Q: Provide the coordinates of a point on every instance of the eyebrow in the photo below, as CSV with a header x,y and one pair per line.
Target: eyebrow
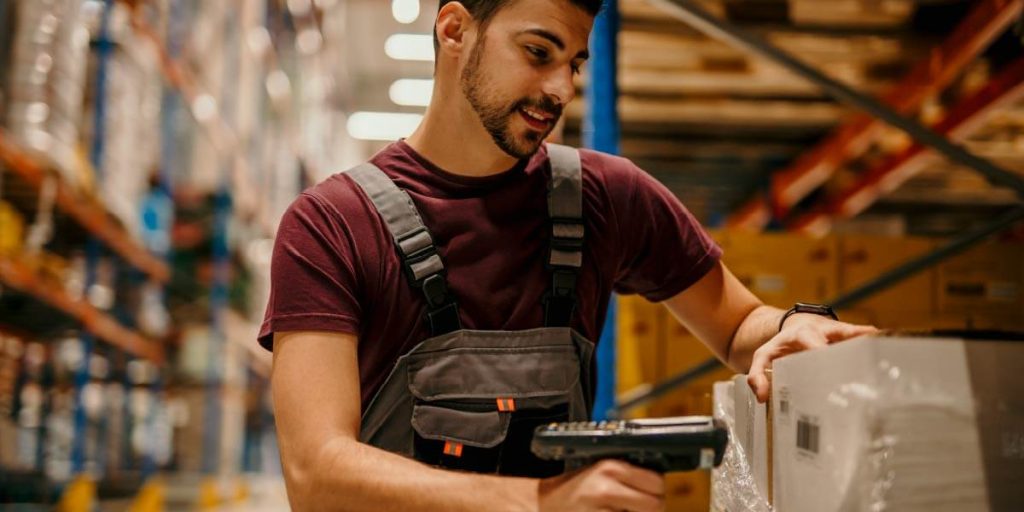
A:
x,y
555,40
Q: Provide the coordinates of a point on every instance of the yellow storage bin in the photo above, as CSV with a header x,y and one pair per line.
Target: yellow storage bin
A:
x,y
12,230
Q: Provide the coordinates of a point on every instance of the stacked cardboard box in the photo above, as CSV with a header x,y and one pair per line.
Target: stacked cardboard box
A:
x,y
782,269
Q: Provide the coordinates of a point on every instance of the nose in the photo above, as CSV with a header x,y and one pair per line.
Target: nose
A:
x,y
560,85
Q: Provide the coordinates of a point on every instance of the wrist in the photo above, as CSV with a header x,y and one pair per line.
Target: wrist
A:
x,y
520,494
806,311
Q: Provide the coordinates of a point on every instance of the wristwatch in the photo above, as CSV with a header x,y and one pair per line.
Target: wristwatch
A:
x,y
801,307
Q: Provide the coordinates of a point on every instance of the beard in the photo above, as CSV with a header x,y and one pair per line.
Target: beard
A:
x,y
497,115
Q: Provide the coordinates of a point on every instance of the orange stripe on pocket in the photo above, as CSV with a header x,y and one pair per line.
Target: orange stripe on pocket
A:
x,y
453,448
506,405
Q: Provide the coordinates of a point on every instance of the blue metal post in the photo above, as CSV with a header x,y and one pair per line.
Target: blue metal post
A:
x,y
601,132
92,248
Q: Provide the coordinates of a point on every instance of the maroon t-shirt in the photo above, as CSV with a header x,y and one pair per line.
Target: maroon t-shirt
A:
x,y
335,266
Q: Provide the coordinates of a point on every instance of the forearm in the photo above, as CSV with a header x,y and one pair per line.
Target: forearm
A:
x,y
352,476
759,326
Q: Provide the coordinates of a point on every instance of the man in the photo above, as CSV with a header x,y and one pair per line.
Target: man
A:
x,y
348,330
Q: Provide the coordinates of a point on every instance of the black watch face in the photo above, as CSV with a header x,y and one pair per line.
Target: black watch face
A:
x,y
818,309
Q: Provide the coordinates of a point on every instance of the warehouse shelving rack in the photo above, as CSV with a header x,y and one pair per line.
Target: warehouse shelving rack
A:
x,y
987,21
101,230
18,275
84,208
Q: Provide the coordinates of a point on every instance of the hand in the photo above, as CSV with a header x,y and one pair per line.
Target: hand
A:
x,y
609,485
801,331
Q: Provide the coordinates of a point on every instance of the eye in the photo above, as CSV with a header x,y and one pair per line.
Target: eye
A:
x,y
575,68
538,52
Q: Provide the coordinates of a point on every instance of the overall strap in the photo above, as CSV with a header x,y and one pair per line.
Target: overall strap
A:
x,y
565,216
420,261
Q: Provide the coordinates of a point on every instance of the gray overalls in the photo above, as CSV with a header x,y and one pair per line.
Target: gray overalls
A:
x,y
470,399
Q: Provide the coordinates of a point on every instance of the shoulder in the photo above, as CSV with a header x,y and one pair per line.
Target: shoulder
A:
x,y
611,177
604,166
337,197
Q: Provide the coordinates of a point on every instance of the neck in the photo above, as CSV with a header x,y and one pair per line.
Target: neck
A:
x,y
452,137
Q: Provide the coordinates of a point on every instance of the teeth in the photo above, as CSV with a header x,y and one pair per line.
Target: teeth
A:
x,y
534,115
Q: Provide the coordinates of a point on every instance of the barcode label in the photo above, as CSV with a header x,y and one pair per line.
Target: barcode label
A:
x,y
807,435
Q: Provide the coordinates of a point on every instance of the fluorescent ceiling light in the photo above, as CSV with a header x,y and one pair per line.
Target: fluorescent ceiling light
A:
x,y
204,108
411,92
382,125
410,47
405,11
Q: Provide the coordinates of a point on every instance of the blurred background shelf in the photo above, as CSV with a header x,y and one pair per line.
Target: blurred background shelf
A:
x,y
17,274
85,209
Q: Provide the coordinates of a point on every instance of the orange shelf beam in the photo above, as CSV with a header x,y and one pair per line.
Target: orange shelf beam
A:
x,y
85,210
963,119
931,75
17,275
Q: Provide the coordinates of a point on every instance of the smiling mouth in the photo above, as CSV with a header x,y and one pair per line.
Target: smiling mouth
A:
x,y
536,119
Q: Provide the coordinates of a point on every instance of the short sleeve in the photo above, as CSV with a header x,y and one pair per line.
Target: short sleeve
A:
x,y
314,285
664,248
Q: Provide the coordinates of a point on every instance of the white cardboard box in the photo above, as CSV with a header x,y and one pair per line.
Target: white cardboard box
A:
x,y
907,424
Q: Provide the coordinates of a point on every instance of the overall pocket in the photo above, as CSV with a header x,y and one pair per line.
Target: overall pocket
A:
x,y
459,435
476,404
473,435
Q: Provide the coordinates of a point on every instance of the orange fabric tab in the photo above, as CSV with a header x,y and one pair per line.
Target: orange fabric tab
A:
x,y
452,448
506,405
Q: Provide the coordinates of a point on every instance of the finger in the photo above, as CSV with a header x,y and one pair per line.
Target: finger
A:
x,y
809,339
846,331
619,496
775,348
756,378
643,480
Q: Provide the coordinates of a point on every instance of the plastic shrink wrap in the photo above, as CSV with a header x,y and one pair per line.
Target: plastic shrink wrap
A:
x,y
735,485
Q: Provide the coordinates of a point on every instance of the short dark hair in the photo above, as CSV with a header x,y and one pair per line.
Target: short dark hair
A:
x,y
483,10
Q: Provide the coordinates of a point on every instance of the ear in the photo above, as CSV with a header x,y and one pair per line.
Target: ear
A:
x,y
453,22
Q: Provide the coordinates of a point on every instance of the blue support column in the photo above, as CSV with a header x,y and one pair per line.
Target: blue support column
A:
x,y
601,132
92,248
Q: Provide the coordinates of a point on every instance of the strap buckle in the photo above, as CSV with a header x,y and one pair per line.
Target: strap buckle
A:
x,y
563,283
443,319
435,289
418,256
560,301
567,234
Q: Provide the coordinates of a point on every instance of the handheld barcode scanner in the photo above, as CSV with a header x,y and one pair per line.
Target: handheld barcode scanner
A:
x,y
665,445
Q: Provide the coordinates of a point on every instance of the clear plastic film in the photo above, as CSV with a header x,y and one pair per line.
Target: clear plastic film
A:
x,y
901,424
733,487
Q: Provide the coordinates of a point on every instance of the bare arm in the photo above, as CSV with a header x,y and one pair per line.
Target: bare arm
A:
x,y
315,386
744,333
726,316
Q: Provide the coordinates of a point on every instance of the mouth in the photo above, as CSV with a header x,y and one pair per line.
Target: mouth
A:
x,y
536,119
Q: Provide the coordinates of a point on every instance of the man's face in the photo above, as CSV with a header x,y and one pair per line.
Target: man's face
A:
x,y
519,74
